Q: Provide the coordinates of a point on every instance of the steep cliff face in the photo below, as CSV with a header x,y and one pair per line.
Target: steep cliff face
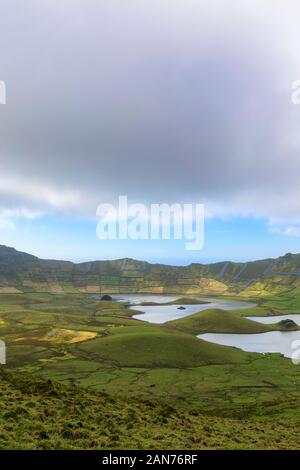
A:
x,y
21,272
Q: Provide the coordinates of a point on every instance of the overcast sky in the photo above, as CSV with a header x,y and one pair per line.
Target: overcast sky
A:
x,y
161,100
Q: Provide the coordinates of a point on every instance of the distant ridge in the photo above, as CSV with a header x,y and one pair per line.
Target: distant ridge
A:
x,y
22,272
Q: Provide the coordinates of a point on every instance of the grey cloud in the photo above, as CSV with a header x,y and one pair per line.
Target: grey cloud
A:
x,y
162,101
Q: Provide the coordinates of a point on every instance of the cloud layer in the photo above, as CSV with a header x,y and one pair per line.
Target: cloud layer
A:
x,y
165,101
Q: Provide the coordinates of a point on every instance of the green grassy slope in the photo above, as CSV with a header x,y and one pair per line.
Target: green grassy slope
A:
x,y
40,414
218,321
159,349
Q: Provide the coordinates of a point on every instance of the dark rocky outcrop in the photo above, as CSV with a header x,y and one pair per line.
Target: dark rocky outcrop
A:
x,y
288,324
106,297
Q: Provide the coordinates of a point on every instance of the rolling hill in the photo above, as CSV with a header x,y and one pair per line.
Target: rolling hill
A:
x,y
219,321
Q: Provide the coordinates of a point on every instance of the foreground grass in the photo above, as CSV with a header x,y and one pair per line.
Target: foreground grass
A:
x,y
40,414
